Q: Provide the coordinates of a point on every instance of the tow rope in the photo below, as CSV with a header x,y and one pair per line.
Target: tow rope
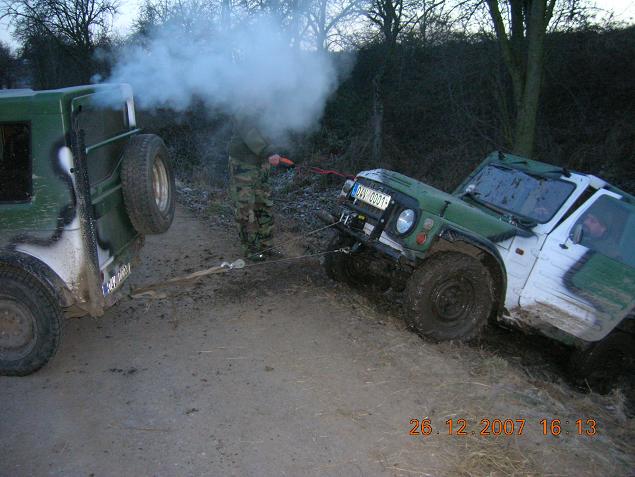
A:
x,y
316,170
326,172
149,291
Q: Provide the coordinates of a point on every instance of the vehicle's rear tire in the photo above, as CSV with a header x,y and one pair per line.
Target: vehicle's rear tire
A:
x,y
449,297
148,187
30,323
605,364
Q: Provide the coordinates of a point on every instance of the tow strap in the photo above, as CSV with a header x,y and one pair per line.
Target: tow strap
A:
x,y
149,291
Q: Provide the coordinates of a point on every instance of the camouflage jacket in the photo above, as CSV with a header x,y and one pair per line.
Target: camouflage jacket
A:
x,y
248,143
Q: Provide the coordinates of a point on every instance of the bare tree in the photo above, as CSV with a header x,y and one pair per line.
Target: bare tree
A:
x,y
188,16
521,27
391,19
8,64
77,26
326,16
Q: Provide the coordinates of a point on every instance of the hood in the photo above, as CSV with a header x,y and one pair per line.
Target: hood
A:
x,y
452,209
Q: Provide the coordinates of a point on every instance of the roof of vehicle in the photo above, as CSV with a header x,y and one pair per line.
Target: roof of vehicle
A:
x,y
547,170
25,102
6,93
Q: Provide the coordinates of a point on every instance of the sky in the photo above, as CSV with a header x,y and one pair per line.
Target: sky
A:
x,y
624,10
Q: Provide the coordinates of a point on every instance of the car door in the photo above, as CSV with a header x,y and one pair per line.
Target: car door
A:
x,y
581,283
106,119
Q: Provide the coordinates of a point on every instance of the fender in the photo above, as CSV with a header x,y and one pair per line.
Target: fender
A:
x,y
41,271
452,235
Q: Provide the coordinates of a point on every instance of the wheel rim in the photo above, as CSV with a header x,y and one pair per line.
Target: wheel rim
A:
x,y
160,184
453,299
17,330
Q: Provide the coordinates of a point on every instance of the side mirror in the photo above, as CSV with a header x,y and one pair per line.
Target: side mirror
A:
x,y
576,234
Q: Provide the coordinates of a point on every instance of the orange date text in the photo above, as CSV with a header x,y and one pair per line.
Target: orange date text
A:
x,y
502,427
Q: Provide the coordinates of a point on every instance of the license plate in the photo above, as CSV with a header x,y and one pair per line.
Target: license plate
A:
x,y
370,196
116,279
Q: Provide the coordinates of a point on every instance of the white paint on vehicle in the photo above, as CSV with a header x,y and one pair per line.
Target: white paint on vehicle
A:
x,y
383,238
65,257
65,159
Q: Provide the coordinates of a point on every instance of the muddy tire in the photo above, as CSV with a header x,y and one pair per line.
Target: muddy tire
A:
x,y
606,364
449,297
148,187
344,267
30,323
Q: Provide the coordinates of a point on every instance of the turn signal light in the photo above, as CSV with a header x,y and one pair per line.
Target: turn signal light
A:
x,y
421,238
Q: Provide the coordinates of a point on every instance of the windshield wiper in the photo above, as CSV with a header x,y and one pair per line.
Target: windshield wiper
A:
x,y
513,219
474,197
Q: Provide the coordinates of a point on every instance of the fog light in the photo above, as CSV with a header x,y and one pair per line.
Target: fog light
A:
x,y
421,238
346,188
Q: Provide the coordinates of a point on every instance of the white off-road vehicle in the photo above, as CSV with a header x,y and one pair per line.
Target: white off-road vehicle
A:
x,y
520,241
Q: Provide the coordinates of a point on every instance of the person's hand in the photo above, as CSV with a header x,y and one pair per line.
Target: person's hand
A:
x,y
274,159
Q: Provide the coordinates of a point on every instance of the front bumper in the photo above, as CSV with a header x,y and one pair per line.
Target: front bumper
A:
x,y
371,237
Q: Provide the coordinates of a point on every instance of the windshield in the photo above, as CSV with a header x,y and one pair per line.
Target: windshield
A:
x,y
520,194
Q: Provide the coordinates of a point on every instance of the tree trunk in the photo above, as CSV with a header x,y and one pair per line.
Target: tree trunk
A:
x,y
225,15
523,57
524,138
377,119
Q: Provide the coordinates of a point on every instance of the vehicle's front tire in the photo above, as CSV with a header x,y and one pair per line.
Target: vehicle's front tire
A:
x,y
449,297
343,267
30,323
148,186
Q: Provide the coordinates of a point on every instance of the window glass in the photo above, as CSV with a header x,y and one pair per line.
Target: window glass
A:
x,y
521,194
100,123
15,162
608,227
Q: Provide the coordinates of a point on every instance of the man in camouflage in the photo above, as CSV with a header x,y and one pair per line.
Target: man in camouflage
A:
x,y
250,159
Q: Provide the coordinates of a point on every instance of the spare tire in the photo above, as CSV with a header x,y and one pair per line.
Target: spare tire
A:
x,y
147,181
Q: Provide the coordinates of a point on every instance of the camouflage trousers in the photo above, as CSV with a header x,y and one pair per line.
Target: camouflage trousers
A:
x,y
250,193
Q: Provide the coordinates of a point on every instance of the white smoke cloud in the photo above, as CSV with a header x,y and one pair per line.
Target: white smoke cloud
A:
x,y
251,67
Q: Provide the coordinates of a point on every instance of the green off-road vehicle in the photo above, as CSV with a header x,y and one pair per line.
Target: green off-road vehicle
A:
x,y
79,188
520,241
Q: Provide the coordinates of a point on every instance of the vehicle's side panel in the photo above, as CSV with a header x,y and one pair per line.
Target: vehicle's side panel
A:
x,y
519,258
46,226
61,248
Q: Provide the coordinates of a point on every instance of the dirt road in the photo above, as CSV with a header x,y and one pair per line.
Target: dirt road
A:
x,y
276,370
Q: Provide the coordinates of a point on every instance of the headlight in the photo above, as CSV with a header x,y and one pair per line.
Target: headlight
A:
x,y
405,221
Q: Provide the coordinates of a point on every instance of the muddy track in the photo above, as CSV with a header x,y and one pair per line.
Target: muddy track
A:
x,y
279,371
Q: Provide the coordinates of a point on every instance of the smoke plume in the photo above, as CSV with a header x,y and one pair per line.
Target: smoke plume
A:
x,y
251,68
